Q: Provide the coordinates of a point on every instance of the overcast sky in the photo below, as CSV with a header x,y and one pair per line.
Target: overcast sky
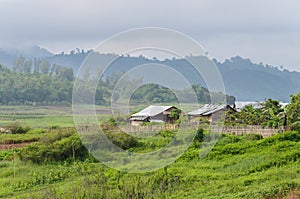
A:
x,y
263,30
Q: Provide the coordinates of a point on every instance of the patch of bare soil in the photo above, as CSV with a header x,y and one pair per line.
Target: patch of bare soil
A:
x,y
10,146
293,194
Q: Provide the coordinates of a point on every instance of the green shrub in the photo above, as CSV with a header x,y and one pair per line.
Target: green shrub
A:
x,y
117,137
228,139
199,135
122,140
112,122
290,135
166,133
253,136
57,134
68,149
6,155
19,130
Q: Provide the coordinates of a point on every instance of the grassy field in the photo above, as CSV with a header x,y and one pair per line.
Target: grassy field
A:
x,y
48,116
41,116
36,117
237,167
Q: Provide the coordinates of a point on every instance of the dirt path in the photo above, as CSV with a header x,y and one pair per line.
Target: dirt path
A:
x,y
10,146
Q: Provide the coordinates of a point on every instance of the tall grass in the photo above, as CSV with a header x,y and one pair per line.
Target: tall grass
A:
x,y
237,167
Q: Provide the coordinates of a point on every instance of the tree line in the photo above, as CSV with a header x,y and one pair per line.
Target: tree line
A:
x,y
41,67
19,86
37,82
157,94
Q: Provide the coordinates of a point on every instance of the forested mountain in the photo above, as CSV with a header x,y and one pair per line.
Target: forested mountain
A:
x,y
257,82
242,78
9,55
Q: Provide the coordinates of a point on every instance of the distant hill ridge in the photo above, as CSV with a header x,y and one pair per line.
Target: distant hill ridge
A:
x,y
242,78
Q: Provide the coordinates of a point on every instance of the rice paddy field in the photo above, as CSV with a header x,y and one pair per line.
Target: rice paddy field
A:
x,y
42,116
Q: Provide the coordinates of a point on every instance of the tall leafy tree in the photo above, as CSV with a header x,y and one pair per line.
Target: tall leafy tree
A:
x,y
293,112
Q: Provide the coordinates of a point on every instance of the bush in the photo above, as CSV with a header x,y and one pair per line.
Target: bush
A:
x,y
69,148
112,122
57,134
19,129
122,140
199,135
253,136
166,133
117,137
295,126
290,135
228,139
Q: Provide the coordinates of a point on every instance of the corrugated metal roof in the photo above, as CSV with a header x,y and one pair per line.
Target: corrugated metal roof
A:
x,y
208,109
241,104
139,118
151,111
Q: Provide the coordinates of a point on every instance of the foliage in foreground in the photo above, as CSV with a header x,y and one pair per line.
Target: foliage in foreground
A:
x,y
293,112
237,167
